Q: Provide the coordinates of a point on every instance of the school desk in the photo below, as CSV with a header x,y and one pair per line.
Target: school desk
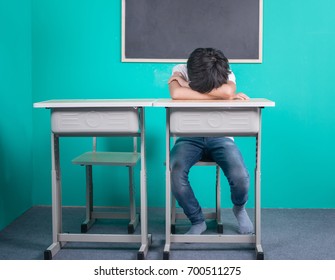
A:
x,y
95,118
214,118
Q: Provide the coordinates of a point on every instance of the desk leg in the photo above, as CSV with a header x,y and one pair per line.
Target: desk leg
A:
x,y
166,252
259,250
145,237
56,199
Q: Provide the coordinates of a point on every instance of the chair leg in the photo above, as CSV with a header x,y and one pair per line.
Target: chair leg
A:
x,y
218,201
85,226
134,218
173,215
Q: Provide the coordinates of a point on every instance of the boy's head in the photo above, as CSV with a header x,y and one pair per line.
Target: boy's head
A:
x,y
207,69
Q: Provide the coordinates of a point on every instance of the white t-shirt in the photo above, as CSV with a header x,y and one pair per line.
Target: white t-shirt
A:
x,y
182,68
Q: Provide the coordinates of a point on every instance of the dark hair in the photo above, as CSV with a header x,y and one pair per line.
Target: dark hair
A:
x,y
207,69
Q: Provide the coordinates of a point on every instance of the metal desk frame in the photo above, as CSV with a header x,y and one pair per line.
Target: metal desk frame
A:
x,y
60,238
219,106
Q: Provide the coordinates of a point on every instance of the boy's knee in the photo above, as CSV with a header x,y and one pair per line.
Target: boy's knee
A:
x,y
178,173
239,179
239,189
177,167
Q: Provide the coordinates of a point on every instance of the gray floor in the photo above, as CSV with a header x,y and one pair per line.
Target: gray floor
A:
x,y
287,234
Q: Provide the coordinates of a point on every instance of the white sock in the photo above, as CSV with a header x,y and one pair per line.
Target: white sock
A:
x,y
197,229
244,223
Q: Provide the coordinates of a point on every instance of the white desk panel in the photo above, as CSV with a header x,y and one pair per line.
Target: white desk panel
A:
x,y
214,121
94,120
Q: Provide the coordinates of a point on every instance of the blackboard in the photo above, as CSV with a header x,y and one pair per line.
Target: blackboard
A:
x,y
168,30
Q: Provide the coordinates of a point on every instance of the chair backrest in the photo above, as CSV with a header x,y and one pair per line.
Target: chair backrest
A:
x,y
94,144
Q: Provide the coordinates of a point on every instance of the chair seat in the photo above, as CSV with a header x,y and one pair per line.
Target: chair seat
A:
x,y
107,158
205,163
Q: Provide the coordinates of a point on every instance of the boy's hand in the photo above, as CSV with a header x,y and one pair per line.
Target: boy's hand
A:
x,y
240,96
181,81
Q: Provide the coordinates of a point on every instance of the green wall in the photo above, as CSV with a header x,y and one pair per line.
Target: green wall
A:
x,y
16,172
76,54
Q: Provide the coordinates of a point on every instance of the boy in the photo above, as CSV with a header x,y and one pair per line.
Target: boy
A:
x,y
207,76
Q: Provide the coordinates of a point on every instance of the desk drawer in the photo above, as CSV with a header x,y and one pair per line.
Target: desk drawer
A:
x,y
214,121
94,121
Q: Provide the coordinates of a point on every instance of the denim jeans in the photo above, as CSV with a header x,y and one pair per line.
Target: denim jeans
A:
x,y
188,151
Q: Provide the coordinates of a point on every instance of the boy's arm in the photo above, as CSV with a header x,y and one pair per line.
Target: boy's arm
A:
x,y
228,92
179,89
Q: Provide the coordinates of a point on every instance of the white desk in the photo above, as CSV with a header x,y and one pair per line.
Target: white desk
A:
x,y
95,118
214,118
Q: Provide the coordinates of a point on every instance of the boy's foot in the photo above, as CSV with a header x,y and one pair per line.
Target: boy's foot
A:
x,y
197,229
244,223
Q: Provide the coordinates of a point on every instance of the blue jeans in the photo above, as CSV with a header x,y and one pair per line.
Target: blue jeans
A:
x,y
188,151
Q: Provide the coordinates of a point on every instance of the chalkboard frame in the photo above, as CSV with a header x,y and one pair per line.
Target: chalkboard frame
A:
x,y
258,59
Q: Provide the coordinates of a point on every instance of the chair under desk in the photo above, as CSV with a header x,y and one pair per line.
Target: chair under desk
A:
x,y
214,118
96,157
89,118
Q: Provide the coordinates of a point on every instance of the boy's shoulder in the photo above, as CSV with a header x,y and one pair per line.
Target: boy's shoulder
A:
x,y
181,68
